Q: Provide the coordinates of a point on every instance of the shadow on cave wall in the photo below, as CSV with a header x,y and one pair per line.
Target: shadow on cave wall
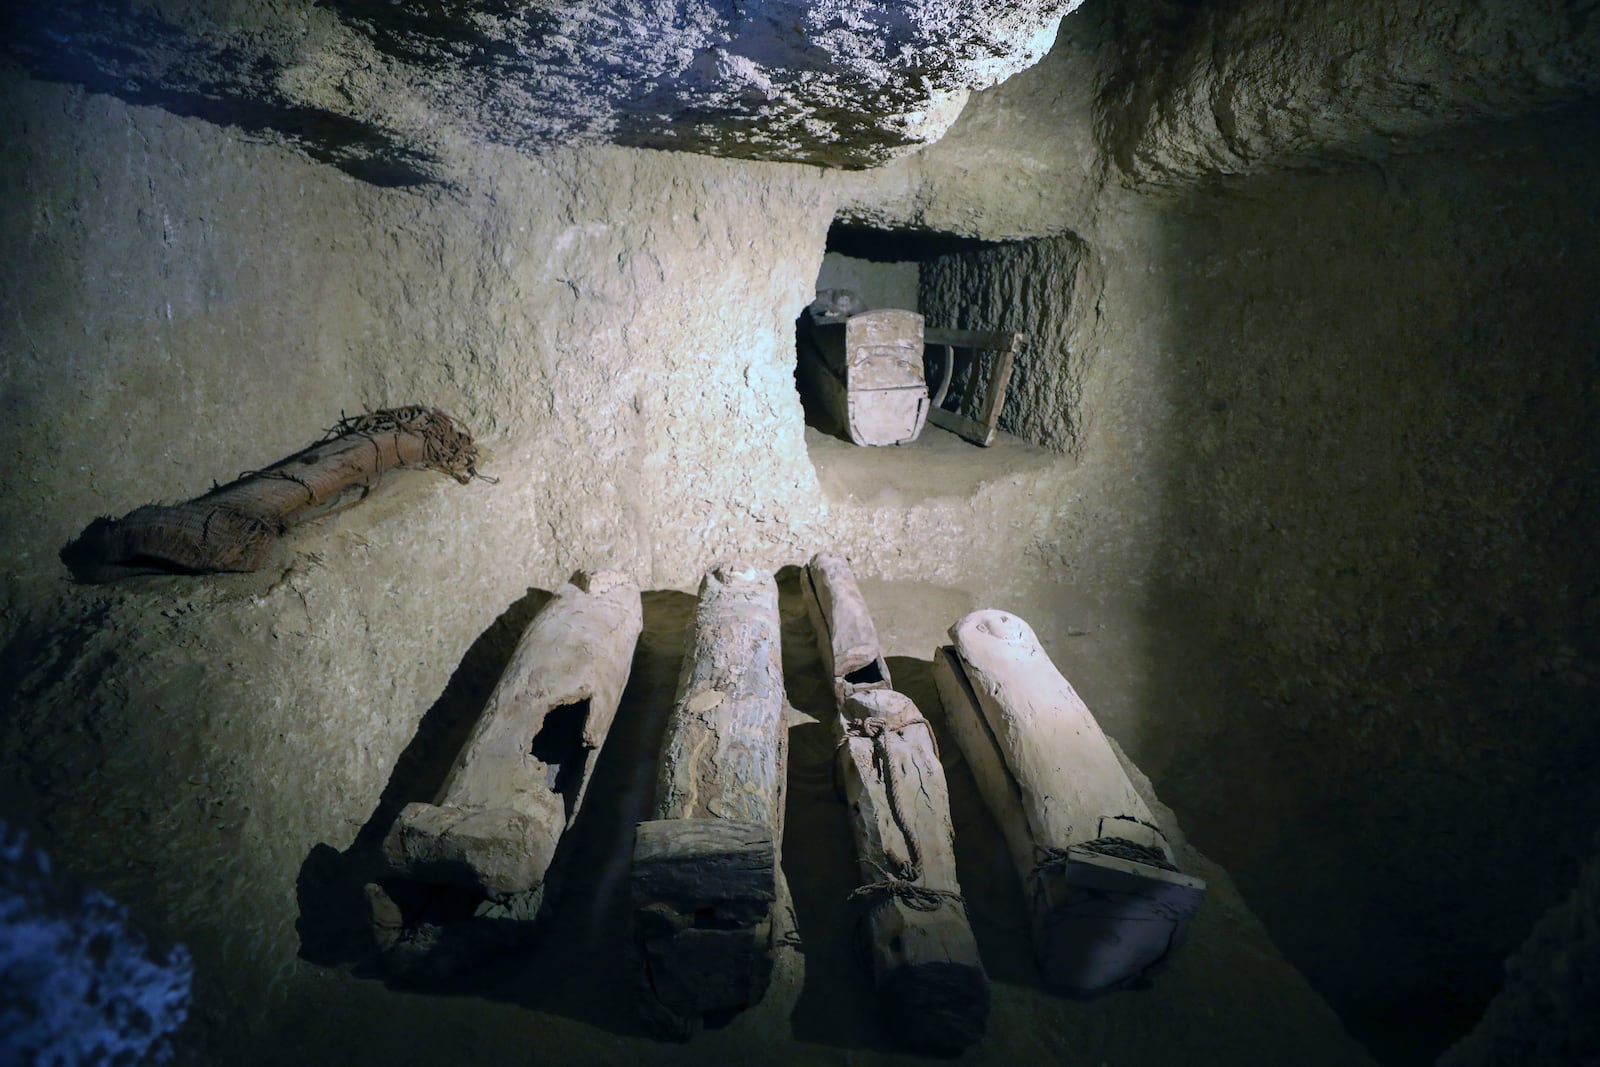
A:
x,y
333,924
1380,551
105,48
819,859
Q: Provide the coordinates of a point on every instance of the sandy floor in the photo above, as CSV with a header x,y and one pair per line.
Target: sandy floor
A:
x,y
937,465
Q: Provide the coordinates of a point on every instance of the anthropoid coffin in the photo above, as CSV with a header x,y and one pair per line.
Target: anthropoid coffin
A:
x,y
866,372
467,873
916,941
705,880
1105,895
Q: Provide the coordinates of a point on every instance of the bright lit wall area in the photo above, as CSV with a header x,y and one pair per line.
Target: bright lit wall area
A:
x,y
1294,478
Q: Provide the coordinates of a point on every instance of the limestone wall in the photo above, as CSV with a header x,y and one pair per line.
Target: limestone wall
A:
x,y
1374,447
181,305
880,285
393,94
186,306
1340,439
1199,91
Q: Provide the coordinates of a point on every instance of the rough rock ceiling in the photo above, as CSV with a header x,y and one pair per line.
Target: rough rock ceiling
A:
x,y
387,88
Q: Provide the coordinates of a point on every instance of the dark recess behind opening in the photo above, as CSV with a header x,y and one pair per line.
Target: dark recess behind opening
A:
x,y
898,246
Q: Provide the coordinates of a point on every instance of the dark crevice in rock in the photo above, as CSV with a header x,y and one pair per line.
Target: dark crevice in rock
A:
x,y
898,245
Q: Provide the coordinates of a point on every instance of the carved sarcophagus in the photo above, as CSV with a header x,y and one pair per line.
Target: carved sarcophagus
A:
x,y
866,371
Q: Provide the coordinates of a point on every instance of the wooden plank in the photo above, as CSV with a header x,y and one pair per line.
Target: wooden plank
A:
x,y
520,778
993,340
704,863
979,428
706,868
1106,898
703,894
961,426
995,395
933,991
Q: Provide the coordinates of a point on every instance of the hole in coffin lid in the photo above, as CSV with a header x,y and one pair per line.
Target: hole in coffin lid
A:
x,y
559,746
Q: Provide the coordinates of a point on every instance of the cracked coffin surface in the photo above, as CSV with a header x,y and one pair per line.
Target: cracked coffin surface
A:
x,y
500,815
705,869
915,940
385,90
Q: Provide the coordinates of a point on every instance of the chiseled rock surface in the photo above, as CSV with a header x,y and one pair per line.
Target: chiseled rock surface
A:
x,y
384,90
1046,289
1545,1012
1206,90
78,982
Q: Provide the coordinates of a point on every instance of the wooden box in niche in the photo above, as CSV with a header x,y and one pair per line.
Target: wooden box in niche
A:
x,y
867,372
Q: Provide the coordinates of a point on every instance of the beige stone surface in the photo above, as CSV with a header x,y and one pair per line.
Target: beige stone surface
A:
x,y
1319,553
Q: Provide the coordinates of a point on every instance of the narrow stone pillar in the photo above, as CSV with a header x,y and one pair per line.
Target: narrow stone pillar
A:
x,y
705,870
482,849
1106,897
924,960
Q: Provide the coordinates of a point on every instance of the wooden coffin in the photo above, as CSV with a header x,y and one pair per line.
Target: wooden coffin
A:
x,y
482,849
917,941
867,373
1106,898
705,875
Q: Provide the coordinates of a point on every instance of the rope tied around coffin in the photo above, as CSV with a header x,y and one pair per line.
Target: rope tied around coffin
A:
x,y
903,887
272,472
1055,860
447,448
906,889
872,728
